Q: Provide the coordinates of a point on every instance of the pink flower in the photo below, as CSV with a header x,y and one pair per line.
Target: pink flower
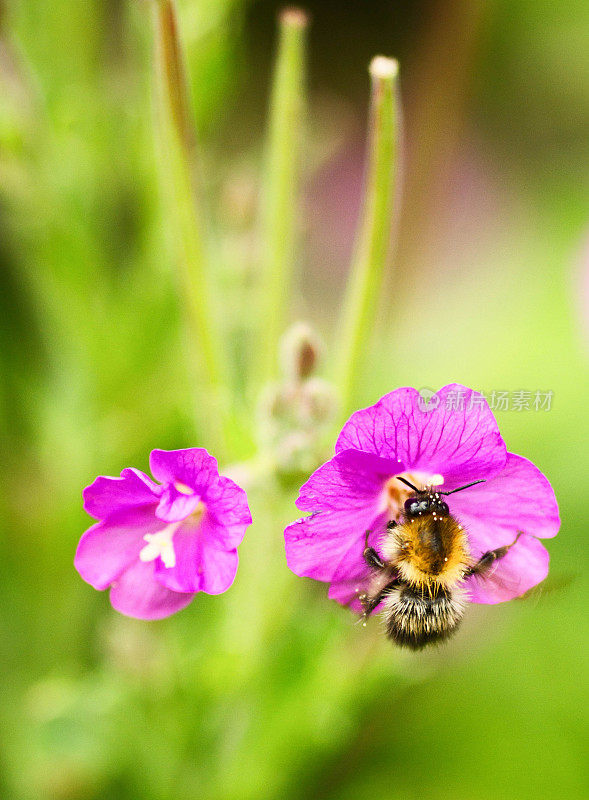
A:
x,y
450,442
157,544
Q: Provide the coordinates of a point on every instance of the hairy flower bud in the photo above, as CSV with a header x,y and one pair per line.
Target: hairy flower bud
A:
x,y
294,417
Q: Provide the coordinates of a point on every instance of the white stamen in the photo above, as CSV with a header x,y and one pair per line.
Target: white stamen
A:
x,y
182,488
160,545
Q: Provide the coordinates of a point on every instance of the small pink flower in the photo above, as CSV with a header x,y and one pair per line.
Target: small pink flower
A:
x,y
157,544
450,442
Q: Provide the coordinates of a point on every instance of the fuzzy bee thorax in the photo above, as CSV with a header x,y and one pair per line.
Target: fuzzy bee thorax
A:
x,y
428,550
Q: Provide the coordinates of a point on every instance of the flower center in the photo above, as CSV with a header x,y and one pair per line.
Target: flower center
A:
x,y
160,544
396,492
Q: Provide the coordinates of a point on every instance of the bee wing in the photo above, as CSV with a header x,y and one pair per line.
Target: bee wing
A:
x,y
497,584
523,566
553,585
500,584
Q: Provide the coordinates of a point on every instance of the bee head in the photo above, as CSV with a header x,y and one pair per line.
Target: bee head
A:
x,y
426,503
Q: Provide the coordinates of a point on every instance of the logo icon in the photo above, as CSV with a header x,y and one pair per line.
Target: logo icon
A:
x,y
428,400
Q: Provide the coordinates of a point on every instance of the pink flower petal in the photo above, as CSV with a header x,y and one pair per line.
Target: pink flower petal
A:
x,y
109,547
330,543
108,495
346,594
137,593
193,467
351,577
176,505
351,478
520,498
203,562
461,441
227,505
346,493
524,566
220,568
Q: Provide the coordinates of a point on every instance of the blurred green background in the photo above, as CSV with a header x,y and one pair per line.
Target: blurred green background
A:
x,y
270,691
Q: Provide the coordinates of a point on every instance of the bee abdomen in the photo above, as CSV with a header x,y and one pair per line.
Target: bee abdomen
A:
x,y
415,617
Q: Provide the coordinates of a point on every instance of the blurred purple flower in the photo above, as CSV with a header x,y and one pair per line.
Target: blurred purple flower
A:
x,y
451,441
157,544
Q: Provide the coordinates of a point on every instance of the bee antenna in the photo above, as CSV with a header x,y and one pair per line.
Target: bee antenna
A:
x,y
466,486
410,485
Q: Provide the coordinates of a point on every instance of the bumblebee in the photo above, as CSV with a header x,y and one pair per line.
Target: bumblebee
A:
x,y
420,577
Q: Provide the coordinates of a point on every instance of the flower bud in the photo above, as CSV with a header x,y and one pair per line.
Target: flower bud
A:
x,y
300,351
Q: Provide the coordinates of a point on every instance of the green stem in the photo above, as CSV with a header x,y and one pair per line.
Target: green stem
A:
x,y
282,179
177,154
374,233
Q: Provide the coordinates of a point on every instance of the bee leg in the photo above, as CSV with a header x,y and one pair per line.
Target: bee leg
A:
x,y
371,557
392,524
370,603
488,559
